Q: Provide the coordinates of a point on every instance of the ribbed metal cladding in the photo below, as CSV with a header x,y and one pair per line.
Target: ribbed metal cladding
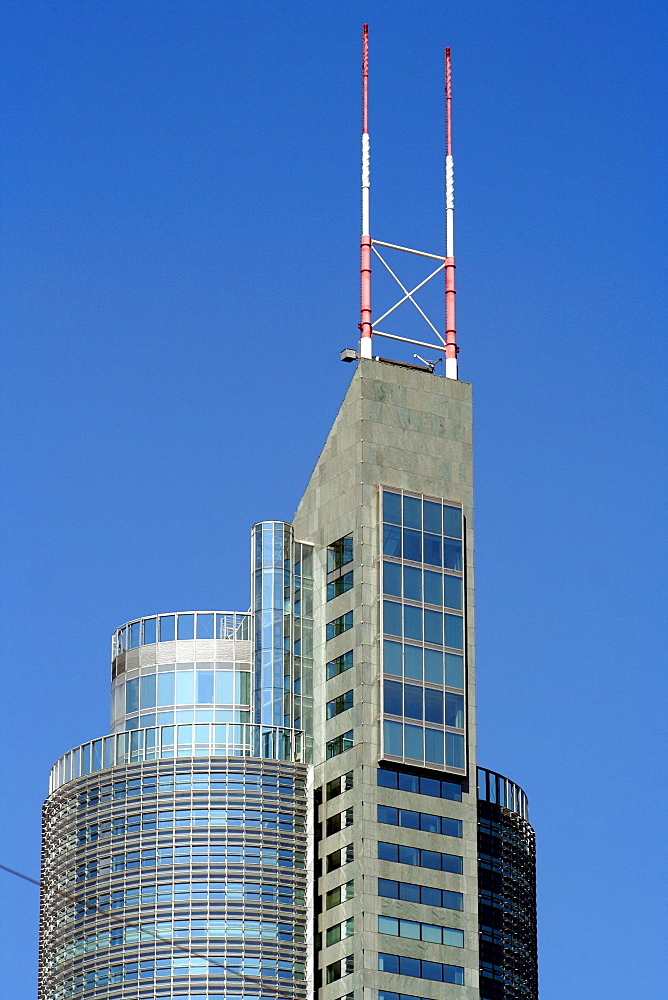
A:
x,y
507,892
178,879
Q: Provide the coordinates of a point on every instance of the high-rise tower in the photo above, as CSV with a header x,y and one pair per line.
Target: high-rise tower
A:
x,y
288,804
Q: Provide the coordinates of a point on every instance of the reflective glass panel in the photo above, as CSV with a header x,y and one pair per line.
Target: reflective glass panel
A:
x,y
433,517
433,627
185,687
433,587
413,662
205,626
412,583
409,782
454,631
433,706
453,592
412,513
392,694
432,970
149,630
391,507
413,736
242,687
132,696
134,634
454,710
392,579
432,550
391,618
412,701
165,689
393,741
412,622
409,892
412,545
452,522
454,750
186,627
452,554
409,855
392,657
204,687
388,887
434,746
148,692
433,666
388,852
224,687
392,541
166,628
454,670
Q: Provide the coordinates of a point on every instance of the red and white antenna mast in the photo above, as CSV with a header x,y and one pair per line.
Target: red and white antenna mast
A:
x,y
450,330
368,247
365,269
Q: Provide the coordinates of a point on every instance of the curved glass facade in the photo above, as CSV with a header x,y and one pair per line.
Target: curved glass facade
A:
x,y
178,878
506,891
185,667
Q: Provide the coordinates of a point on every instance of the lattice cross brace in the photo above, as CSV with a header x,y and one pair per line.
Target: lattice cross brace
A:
x,y
408,295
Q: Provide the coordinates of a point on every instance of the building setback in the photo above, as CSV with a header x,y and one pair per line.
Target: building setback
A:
x,y
288,804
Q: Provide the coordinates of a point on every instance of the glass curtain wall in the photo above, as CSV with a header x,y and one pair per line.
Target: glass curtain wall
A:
x,y
271,605
422,581
282,616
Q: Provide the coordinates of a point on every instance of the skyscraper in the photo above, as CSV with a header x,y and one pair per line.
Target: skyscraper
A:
x,y
288,803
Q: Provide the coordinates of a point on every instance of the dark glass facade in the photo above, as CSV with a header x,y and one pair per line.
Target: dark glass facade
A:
x,y
506,891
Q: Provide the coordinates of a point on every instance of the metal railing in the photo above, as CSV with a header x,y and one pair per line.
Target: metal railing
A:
x,y
189,740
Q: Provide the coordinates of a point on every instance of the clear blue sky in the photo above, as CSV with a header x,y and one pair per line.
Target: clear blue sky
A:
x,y
180,189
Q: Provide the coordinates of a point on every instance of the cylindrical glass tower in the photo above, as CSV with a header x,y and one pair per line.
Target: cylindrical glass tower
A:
x,y
176,860
506,891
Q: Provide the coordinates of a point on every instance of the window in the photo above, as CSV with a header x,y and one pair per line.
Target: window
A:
x,y
428,822
339,664
340,894
340,625
344,967
418,931
420,858
338,785
339,932
341,585
435,971
340,704
430,896
339,553
339,822
339,744
337,859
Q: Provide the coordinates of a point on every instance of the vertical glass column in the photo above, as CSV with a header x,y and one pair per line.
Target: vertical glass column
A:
x,y
302,698
271,587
